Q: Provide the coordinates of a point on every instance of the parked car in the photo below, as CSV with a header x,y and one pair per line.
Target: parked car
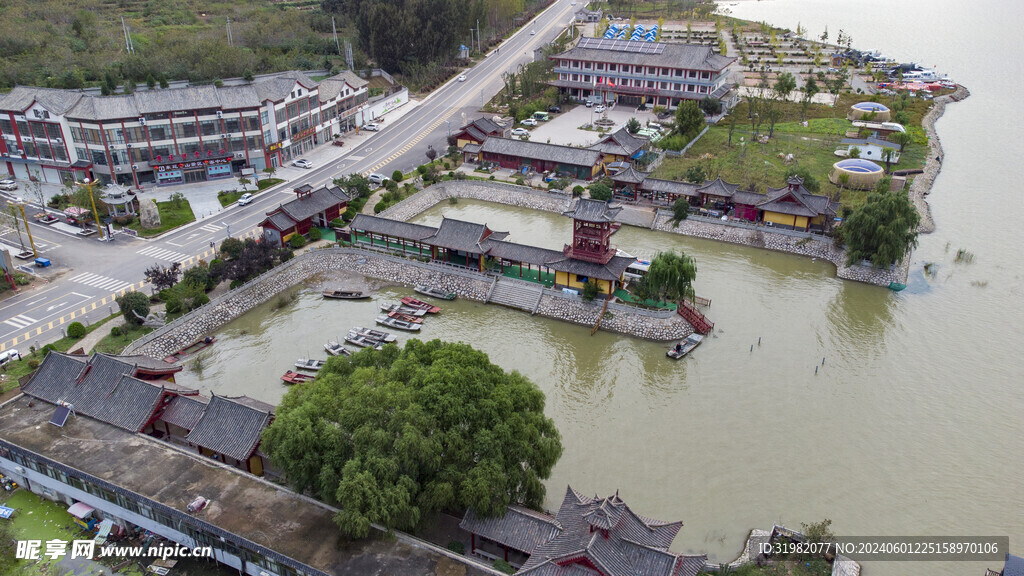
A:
x,y
599,108
371,127
532,32
520,132
8,185
377,179
462,77
302,164
529,122
589,104
9,356
245,199
555,109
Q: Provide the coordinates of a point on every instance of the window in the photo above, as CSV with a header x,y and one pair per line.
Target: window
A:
x,y
251,123
82,154
293,110
38,130
159,133
29,147
60,154
163,152
264,117
253,142
210,127
303,106
5,126
232,125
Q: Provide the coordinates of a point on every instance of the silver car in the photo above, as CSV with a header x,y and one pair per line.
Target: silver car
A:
x,y
8,185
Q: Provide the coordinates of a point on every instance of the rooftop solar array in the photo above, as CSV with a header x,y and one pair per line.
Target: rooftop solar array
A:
x,y
622,45
60,416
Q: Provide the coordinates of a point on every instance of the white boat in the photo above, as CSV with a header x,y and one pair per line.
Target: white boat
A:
x,y
398,324
685,347
335,349
391,307
310,364
362,341
383,337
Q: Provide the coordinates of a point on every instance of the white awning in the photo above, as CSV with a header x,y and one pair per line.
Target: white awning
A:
x,y
80,510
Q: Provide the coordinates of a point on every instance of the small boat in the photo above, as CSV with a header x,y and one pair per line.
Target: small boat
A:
x,y
345,294
434,292
419,304
377,335
295,377
190,350
406,317
335,349
311,364
362,341
398,324
685,347
896,286
408,311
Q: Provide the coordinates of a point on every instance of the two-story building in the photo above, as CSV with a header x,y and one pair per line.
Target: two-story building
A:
x,y
173,135
634,72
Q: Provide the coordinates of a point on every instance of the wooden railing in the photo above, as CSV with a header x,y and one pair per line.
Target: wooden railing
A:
x,y
700,322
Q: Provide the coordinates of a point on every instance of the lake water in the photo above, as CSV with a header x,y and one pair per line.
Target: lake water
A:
x,y
911,427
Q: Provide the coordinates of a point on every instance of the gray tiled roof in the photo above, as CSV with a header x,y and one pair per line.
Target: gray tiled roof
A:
x,y
392,228
521,252
329,88
718,187
589,210
609,535
519,528
102,388
280,220
461,235
56,101
669,187
620,143
685,56
630,176
798,202
540,151
1014,566
278,86
471,148
315,202
167,100
747,198
611,271
229,427
185,411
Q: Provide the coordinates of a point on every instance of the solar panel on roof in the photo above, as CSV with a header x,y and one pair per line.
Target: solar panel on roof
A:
x,y
60,416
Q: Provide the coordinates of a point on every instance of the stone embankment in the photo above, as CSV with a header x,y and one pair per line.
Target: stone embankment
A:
x,y
922,184
497,192
575,310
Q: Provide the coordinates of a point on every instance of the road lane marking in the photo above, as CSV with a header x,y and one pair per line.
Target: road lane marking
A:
x,y
20,321
101,282
162,254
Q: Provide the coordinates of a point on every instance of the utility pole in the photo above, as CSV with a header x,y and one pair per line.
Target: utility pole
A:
x,y
87,184
478,46
128,46
35,254
471,38
334,28
230,41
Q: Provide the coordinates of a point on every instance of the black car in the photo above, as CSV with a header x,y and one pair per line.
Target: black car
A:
x,y
554,109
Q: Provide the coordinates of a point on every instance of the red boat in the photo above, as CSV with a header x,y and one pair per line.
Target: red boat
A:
x,y
295,377
406,317
414,303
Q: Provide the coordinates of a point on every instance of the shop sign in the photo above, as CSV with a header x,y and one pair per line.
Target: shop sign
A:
x,y
274,147
193,164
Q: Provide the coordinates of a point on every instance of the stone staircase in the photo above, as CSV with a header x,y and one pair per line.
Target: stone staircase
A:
x,y
516,294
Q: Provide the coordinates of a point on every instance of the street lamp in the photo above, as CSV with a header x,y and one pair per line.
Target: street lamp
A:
x,y
88,184
35,254
449,123
228,226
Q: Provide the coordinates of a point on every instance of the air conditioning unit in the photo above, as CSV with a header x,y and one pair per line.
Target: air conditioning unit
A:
x,y
20,152
220,114
239,154
58,140
135,167
142,120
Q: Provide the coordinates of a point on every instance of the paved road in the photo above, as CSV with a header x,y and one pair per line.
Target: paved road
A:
x,y
88,275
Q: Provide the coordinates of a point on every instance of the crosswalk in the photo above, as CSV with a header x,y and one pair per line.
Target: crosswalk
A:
x,y
211,228
20,321
101,282
163,254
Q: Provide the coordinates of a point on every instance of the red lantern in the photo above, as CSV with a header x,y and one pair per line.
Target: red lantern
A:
x,y
221,151
197,153
209,152
157,157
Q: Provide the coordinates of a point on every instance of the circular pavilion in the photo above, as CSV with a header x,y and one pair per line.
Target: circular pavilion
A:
x,y
864,174
862,109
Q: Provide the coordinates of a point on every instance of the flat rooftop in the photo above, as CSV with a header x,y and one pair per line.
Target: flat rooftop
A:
x,y
274,518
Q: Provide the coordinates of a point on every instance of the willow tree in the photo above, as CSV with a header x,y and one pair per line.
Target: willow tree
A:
x,y
881,231
671,276
393,436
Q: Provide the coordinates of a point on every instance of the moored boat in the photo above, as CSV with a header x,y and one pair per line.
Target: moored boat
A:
x,y
295,377
407,310
345,294
397,324
191,349
362,341
406,317
685,347
377,335
434,292
335,349
311,364
421,305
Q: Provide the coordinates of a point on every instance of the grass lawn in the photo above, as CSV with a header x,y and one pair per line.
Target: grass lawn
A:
x,y
265,183
116,344
170,217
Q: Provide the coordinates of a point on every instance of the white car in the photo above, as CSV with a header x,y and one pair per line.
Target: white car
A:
x,y
520,132
9,356
529,122
371,127
532,32
8,185
245,199
599,108
303,164
462,77
377,179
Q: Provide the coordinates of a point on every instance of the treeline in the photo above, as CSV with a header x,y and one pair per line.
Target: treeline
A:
x,y
74,44
406,35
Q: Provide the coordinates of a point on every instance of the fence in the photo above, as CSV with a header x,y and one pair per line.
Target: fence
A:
x,y
676,154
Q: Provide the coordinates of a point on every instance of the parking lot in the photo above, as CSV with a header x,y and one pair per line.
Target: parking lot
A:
x,y
566,128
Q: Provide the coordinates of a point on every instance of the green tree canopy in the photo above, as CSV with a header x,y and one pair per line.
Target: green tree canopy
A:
x,y
133,301
689,118
671,275
392,436
633,126
680,210
882,231
600,191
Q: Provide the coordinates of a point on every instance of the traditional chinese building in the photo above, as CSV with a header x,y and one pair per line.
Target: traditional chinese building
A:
x,y
587,537
591,254
619,146
520,155
479,130
309,208
793,207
